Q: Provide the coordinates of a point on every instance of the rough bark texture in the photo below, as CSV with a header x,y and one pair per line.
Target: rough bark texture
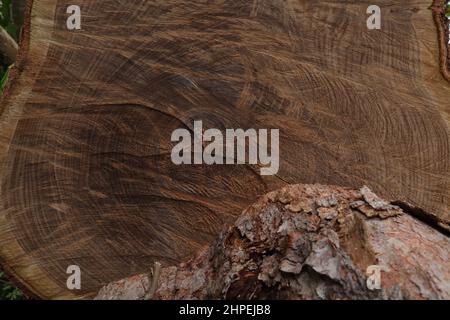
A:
x,y
439,8
310,242
87,116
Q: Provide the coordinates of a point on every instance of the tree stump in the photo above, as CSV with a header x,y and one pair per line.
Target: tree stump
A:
x,y
86,121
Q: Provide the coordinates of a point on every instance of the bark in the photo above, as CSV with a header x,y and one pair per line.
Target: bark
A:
x,y
87,116
439,8
310,242
8,48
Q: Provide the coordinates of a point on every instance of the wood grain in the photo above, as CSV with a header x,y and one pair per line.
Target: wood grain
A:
x,y
85,127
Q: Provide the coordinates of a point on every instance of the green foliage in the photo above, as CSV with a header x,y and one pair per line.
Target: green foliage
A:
x,y
4,77
6,18
7,22
7,290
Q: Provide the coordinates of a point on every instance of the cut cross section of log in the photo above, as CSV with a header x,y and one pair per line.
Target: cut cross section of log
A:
x,y
86,121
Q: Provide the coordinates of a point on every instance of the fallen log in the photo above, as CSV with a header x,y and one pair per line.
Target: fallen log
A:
x,y
8,48
310,242
86,120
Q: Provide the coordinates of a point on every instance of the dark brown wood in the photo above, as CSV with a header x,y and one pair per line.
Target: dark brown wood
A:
x,y
85,126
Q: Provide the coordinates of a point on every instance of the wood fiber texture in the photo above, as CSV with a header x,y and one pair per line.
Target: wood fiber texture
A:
x,y
85,125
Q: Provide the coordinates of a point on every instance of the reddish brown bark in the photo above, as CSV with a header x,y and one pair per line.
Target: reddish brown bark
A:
x,y
439,14
310,242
